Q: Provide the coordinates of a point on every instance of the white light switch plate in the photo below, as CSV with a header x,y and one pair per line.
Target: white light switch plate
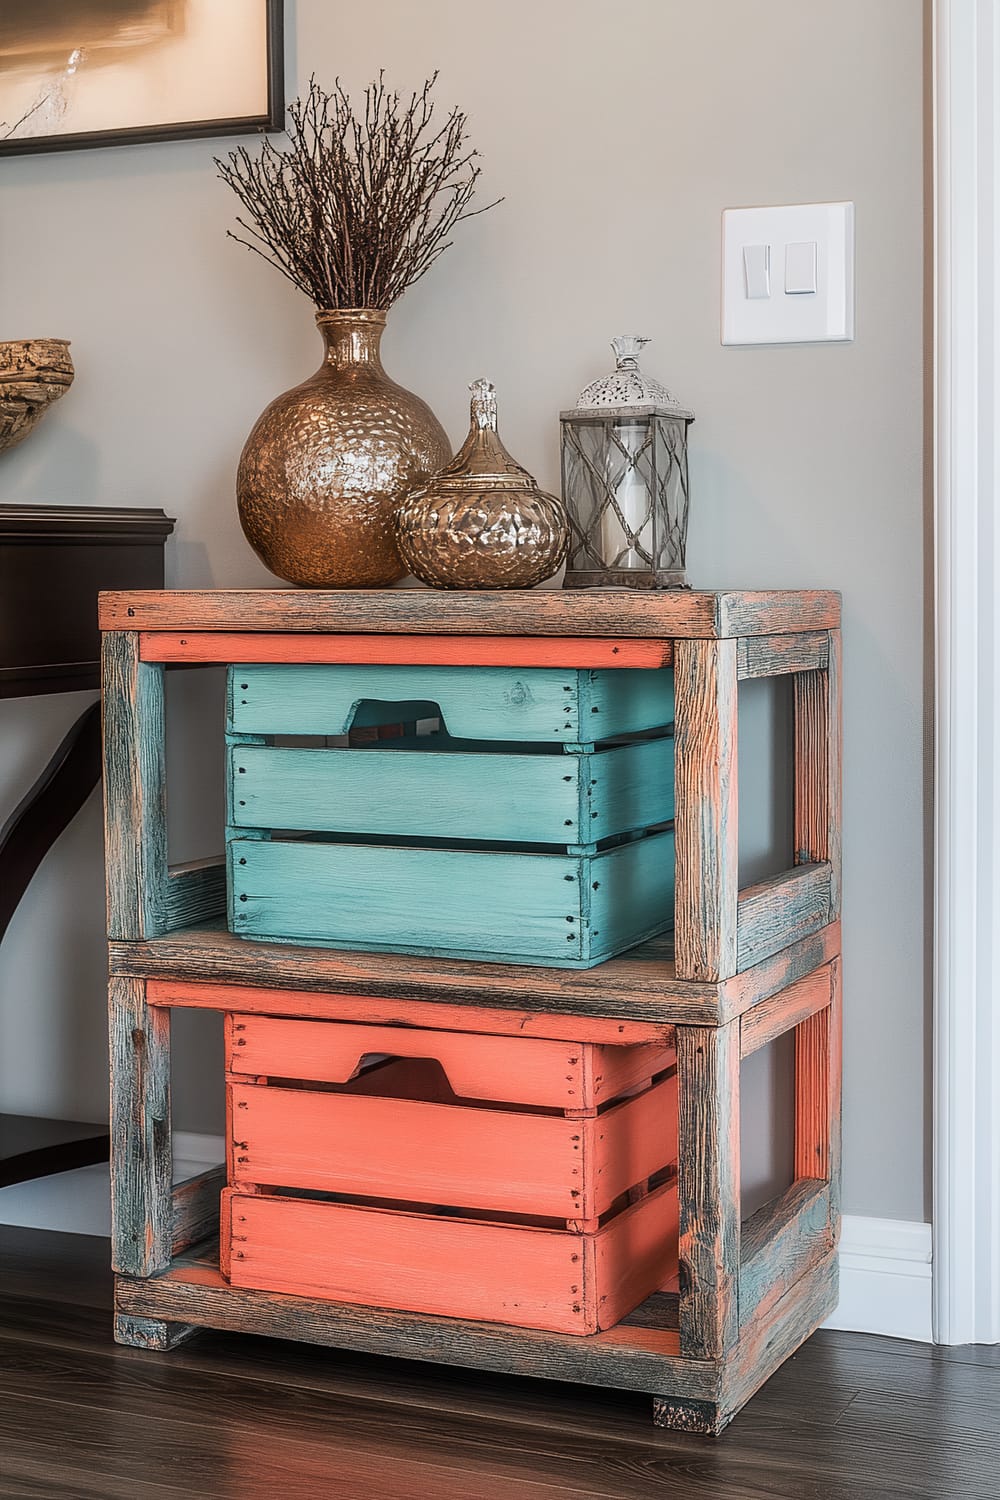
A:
x,y
826,315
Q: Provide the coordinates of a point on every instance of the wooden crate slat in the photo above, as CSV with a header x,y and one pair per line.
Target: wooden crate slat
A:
x,y
452,903
532,1278
430,1153
546,705
518,1069
681,613
414,650
777,912
432,793
781,1242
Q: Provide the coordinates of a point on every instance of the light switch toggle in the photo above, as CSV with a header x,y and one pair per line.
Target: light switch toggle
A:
x,y
757,270
800,268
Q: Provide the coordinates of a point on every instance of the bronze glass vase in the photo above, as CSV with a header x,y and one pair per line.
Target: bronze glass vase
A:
x,y
483,522
327,465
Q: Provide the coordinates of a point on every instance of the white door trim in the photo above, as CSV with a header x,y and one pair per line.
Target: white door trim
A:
x,y
966,74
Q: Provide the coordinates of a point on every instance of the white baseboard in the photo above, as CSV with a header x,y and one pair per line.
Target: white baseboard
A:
x,y
885,1264
885,1278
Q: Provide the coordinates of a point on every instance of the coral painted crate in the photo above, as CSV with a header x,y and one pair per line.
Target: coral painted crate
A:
x,y
523,828
550,1164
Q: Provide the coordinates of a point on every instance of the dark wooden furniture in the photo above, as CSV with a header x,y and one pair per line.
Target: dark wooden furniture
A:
x,y
53,562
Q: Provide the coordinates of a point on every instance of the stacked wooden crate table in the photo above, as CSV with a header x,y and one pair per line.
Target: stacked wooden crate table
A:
x,y
444,1140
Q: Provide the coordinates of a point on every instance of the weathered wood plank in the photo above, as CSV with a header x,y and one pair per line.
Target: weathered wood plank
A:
x,y
771,1018
195,1208
781,1242
141,1159
818,733
404,650
705,778
776,655
708,1166
812,1096
768,1339
781,911
637,1358
134,788
744,990
836,1095
374,1010
150,1333
779,612
192,893
640,987
664,615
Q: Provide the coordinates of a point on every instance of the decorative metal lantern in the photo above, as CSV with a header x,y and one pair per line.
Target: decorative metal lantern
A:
x,y
625,480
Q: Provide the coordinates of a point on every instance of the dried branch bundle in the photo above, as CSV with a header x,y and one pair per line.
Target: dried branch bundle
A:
x,y
354,209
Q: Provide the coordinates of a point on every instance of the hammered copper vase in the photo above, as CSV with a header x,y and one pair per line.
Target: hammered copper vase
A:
x,y
325,468
482,522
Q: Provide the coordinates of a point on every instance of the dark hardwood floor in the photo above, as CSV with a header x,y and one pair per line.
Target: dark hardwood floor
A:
x,y
848,1418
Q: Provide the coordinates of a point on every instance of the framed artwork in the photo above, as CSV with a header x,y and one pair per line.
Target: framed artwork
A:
x,y
84,73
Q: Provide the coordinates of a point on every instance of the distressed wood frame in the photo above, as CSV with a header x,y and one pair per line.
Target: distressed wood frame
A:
x,y
750,966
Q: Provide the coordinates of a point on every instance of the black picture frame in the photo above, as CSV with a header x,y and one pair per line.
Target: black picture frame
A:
x,y
189,130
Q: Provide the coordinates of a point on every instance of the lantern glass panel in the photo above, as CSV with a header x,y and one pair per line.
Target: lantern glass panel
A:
x,y
625,486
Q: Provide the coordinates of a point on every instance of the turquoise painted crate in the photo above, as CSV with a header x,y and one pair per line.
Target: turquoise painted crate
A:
x,y
561,910
547,705
529,826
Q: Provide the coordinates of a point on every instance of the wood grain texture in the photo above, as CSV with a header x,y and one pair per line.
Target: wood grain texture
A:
x,y
818,736
705,778
135,835
378,1010
771,1018
195,1211
768,1340
776,655
628,1357
446,791
836,1041
545,705
142,1225
150,1333
781,1242
367,1146
777,912
405,650
519,1069
664,615
493,905
192,893
708,1103
784,968
640,987
532,1278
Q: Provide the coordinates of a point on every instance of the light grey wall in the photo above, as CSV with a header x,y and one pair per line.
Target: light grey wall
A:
x,y
617,136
